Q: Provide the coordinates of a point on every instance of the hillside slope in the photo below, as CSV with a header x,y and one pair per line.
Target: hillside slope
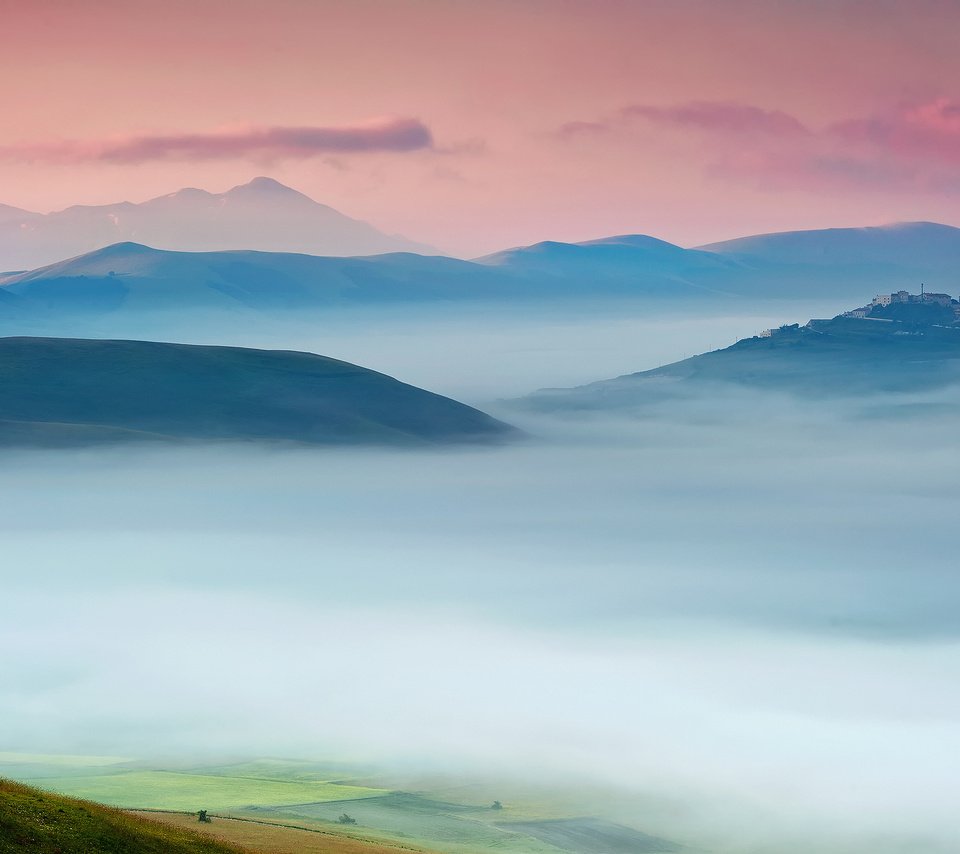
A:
x,y
63,391
42,823
130,276
845,357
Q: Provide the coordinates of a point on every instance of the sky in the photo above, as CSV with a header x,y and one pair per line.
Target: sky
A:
x,y
476,126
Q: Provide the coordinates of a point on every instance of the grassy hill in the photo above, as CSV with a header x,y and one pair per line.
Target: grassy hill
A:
x,y
842,357
35,821
292,806
62,391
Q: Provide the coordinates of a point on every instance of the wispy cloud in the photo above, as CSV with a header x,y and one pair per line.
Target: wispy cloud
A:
x,y
709,116
930,130
910,147
723,116
397,135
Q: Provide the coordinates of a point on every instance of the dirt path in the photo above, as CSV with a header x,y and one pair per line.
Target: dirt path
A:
x,y
277,837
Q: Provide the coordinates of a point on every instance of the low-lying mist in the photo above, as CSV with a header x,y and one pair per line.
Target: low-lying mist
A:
x,y
739,613
749,613
475,352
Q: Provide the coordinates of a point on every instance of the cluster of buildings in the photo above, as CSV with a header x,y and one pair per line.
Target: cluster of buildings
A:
x,y
906,298
885,301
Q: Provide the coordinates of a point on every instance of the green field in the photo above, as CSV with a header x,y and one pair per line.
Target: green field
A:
x,y
448,826
174,790
449,815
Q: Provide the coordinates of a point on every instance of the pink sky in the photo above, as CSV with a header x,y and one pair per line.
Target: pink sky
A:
x,y
479,125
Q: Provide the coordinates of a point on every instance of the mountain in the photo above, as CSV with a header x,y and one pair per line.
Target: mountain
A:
x,y
262,214
905,253
39,822
629,264
63,391
829,262
899,350
131,277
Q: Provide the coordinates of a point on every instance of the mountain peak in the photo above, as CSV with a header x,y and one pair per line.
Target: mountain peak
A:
x,y
263,185
124,247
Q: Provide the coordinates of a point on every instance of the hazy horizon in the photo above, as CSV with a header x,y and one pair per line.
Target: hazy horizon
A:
x,y
473,127
633,602
711,610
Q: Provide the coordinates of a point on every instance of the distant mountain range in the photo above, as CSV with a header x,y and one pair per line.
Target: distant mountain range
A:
x,y
62,392
902,349
831,263
131,277
908,247
262,214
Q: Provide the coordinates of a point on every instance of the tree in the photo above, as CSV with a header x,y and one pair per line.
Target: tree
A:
x,y
497,806
345,819
202,816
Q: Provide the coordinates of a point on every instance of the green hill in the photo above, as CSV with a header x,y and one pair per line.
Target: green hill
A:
x,y
64,391
42,823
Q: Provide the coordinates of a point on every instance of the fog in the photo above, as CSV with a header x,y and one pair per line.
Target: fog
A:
x,y
473,351
738,613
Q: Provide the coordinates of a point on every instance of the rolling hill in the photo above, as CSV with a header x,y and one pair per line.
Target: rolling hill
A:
x,y
913,243
886,257
131,279
844,357
630,263
40,822
59,391
262,214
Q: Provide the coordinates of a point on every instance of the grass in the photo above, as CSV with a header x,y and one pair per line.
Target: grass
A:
x,y
447,826
285,805
278,838
42,823
173,790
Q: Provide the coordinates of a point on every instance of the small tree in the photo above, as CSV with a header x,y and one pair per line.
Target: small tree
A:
x,y
202,816
345,819
497,806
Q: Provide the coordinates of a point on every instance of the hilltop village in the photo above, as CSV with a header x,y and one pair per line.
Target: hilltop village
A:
x,y
903,306
911,313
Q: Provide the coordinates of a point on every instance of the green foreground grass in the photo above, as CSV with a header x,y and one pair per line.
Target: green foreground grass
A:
x,y
42,823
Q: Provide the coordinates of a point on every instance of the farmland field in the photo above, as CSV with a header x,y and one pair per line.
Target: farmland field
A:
x,y
284,804
400,815
174,790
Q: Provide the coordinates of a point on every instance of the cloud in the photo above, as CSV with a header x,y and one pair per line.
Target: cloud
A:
x,y
397,135
930,130
914,147
724,116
